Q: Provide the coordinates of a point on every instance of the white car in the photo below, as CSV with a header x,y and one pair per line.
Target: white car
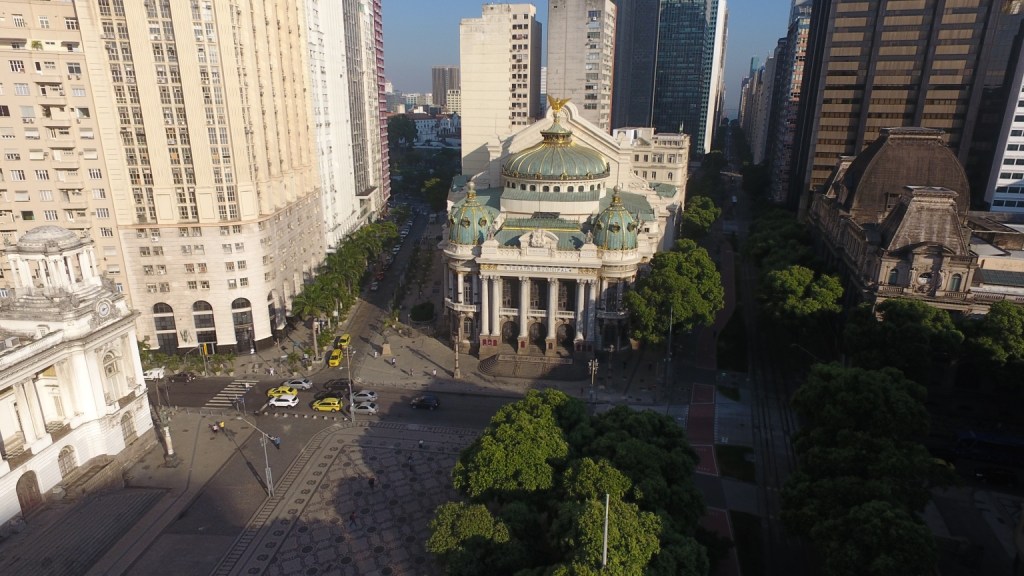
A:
x,y
365,408
154,374
364,396
286,401
298,383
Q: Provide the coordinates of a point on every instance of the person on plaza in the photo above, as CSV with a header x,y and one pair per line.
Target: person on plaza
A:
x,y
352,520
373,482
434,372
214,427
394,361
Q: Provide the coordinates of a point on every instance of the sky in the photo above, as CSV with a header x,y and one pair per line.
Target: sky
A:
x,y
420,34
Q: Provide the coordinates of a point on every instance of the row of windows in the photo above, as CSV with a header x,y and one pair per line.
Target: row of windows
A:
x,y
42,174
1008,203
44,22
533,187
47,195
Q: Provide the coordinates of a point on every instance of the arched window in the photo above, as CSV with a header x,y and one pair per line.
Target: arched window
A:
x,y
954,282
166,331
203,320
67,461
533,187
111,365
241,314
569,189
894,276
558,188
669,175
128,428
522,186
547,189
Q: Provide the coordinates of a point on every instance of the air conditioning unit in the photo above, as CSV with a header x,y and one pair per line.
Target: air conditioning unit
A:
x,y
28,120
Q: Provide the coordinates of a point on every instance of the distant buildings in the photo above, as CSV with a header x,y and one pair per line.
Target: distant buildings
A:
x,y
581,53
931,64
72,394
500,62
1005,189
789,76
454,101
444,79
670,58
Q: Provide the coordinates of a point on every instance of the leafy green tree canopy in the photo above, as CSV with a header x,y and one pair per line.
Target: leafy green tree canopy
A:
x,y
876,539
683,287
401,130
797,293
701,212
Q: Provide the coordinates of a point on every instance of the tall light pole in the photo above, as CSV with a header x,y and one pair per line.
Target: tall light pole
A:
x,y
456,373
264,437
592,365
604,552
348,367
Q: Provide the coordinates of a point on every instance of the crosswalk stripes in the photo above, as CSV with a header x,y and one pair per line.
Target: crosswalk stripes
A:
x,y
226,398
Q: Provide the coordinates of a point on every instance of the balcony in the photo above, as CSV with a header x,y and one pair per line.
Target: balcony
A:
x,y
459,307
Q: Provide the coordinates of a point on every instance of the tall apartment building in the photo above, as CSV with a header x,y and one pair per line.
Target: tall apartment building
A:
x,y
500,62
1005,189
191,147
581,54
54,171
453,98
444,78
343,79
755,113
873,65
786,102
671,57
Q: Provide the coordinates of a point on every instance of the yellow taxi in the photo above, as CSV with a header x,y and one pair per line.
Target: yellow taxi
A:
x,y
335,359
281,391
328,405
343,341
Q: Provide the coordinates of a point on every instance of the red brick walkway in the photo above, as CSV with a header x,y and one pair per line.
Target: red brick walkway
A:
x,y
717,521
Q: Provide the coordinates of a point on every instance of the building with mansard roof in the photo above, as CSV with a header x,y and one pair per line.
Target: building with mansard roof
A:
x,y
541,245
72,394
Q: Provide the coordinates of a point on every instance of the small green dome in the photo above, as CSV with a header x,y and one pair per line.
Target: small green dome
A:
x,y
468,222
616,229
557,157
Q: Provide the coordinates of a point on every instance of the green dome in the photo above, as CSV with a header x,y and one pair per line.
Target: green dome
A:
x,y
556,158
615,229
468,222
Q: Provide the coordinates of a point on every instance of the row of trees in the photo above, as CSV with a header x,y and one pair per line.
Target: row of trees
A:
x,y
340,279
534,487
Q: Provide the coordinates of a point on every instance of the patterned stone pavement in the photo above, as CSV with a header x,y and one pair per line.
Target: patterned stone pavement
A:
x,y
307,527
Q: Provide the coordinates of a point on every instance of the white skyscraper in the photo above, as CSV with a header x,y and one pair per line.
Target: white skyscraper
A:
x,y
500,61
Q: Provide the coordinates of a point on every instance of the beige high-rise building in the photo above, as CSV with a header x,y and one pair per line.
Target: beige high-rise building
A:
x,y
500,62
581,53
53,170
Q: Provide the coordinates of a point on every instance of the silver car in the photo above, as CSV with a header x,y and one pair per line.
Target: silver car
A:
x,y
365,408
364,396
298,383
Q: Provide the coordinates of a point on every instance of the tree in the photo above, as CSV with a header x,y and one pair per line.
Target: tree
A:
x,y
777,240
517,452
683,288
536,481
797,293
876,539
401,130
466,537
435,191
910,335
701,212
994,347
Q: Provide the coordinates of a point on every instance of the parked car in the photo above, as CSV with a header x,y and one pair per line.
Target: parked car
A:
x,y
364,396
281,391
428,401
374,286
284,401
328,404
396,249
365,408
298,383
154,374
183,377
379,275
335,359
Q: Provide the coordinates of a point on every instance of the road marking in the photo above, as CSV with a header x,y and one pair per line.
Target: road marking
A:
x,y
226,397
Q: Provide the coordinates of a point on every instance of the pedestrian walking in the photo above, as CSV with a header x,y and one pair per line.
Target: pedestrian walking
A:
x,y
434,372
421,444
374,353
373,482
394,361
352,520
214,427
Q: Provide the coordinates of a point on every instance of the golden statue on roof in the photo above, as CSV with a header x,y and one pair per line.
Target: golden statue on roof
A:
x,y
557,103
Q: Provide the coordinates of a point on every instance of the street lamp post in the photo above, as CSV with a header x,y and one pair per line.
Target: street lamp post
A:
x,y
456,373
592,365
348,367
264,437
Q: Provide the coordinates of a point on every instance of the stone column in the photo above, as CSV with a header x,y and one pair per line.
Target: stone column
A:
x,y
83,263
474,287
592,310
619,285
580,320
459,282
524,307
485,306
31,421
496,306
552,306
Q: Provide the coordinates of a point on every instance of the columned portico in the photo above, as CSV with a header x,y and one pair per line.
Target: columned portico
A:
x,y
485,306
524,308
580,321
